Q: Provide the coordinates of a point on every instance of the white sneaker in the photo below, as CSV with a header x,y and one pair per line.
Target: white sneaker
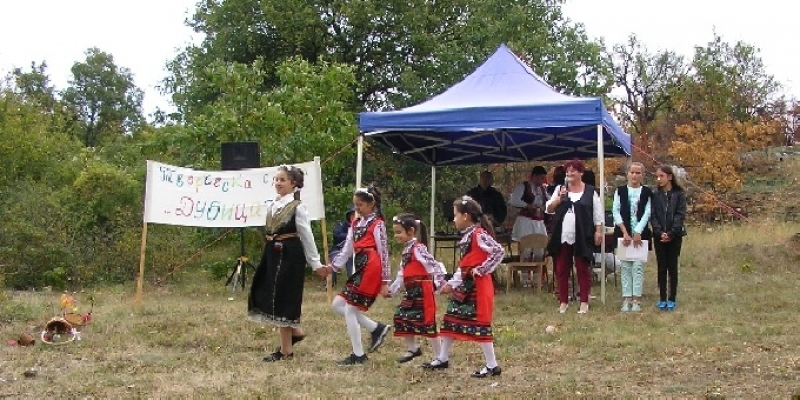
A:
x,y
625,306
636,307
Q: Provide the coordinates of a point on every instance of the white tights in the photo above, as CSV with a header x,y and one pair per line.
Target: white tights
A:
x,y
412,346
486,347
355,319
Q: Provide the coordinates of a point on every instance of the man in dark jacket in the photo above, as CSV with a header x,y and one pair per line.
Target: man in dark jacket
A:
x,y
491,200
339,237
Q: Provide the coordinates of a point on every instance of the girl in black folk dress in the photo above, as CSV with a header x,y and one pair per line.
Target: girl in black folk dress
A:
x,y
277,292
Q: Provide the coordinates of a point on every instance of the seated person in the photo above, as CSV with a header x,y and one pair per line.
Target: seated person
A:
x,y
491,200
612,262
447,213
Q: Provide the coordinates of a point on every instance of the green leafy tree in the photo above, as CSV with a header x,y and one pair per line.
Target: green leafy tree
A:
x,y
29,148
104,98
71,214
401,52
729,79
35,164
306,115
34,86
649,81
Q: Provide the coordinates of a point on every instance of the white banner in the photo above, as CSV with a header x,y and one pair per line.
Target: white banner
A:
x,y
187,197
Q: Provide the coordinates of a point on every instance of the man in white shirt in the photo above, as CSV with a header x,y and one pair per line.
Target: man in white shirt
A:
x,y
530,197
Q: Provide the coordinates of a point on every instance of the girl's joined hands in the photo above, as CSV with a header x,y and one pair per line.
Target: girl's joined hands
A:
x,y
385,290
324,271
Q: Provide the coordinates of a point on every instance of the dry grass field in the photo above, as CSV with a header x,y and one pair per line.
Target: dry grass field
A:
x,y
733,335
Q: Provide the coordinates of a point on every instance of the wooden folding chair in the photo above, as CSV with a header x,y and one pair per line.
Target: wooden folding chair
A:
x,y
533,258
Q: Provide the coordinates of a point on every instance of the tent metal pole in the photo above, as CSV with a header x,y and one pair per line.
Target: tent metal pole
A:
x,y
359,160
431,232
601,170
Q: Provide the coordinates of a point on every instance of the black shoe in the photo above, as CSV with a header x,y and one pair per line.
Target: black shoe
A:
x,y
278,356
295,340
377,336
486,371
436,364
352,359
410,355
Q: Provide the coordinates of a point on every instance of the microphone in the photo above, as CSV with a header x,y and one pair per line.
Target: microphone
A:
x,y
566,184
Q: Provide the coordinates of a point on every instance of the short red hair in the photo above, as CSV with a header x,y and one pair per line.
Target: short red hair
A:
x,y
575,164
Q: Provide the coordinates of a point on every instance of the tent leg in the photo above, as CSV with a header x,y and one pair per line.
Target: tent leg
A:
x,y
601,171
432,223
359,160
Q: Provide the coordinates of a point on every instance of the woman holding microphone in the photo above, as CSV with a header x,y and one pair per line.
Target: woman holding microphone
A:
x,y
577,228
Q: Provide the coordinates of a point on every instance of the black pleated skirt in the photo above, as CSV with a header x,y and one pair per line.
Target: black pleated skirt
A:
x,y
276,295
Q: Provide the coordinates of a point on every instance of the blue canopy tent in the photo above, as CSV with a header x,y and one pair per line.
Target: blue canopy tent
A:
x,y
503,112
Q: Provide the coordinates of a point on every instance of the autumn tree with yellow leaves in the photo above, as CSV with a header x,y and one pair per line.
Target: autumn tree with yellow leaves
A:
x,y
722,112
712,151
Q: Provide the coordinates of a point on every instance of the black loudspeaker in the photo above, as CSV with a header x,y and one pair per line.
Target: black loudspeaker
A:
x,y
240,155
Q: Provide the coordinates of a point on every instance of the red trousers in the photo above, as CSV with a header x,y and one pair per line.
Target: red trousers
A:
x,y
563,266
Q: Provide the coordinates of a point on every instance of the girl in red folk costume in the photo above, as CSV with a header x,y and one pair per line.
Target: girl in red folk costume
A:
x,y
366,239
469,313
420,274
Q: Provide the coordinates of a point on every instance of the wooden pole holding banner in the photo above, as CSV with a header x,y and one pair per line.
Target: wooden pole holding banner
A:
x,y
329,279
140,279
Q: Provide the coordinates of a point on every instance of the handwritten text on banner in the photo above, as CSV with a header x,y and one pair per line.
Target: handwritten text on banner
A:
x,y
187,197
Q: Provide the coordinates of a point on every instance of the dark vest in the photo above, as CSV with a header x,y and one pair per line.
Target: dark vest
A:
x,y
584,225
625,210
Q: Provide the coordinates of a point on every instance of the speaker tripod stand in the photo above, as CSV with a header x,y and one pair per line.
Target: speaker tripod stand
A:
x,y
238,277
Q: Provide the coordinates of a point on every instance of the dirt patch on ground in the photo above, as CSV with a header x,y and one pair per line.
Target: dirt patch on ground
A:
x,y
793,244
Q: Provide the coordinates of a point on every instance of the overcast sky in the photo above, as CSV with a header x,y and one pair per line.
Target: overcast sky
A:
x,y
143,35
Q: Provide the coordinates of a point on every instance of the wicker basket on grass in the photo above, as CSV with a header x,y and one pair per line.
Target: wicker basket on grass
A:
x,y
58,331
